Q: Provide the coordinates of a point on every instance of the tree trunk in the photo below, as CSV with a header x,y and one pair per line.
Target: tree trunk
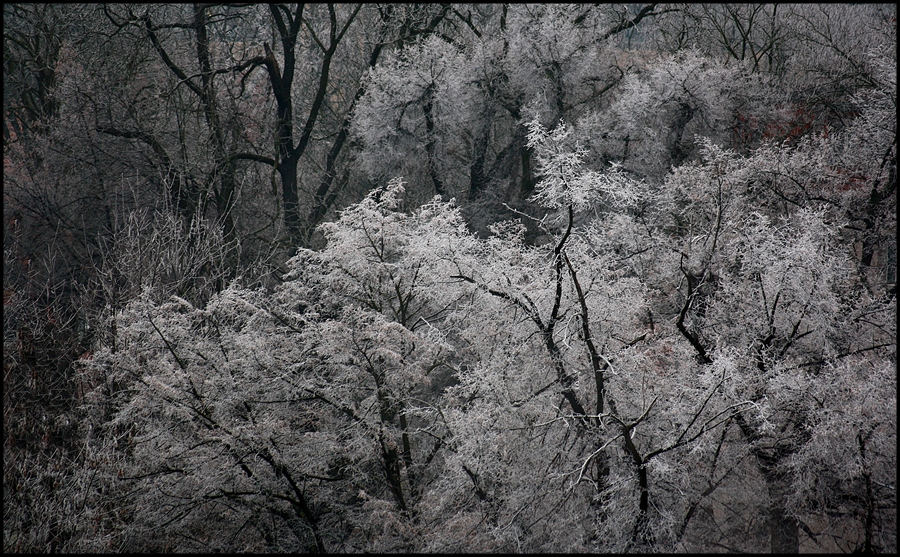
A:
x,y
429,143
477,179
287,169
783,528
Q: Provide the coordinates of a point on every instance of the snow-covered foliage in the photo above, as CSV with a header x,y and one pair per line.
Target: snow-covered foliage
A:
x,y
410,380
564,182
695,352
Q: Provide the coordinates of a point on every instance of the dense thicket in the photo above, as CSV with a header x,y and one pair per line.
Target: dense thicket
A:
x,y
450,277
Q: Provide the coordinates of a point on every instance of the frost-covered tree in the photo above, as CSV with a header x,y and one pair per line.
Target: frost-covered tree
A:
x,y
451,111
416,114
651,378
662,109
773,282
268,421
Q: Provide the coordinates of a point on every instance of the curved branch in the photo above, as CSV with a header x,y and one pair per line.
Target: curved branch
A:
x,y
151,33
252,157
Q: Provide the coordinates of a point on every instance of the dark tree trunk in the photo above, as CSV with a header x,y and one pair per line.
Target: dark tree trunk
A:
x,y
429,143
287,169
783,528
477,178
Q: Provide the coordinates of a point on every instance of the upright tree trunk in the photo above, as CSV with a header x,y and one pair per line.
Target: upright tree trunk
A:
x,y
477,179
783,528
224,168
429,143
287,169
